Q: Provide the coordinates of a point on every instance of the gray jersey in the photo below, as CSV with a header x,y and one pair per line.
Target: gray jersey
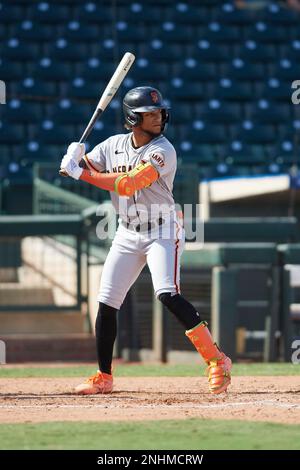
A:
x,y
117,154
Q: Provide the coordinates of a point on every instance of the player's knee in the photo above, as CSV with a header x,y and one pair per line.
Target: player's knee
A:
x,y
166,298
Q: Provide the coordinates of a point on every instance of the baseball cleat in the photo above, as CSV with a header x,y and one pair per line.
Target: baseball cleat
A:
x,y
98,383
218,372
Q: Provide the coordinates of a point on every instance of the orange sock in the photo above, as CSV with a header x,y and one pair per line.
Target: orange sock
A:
x,y
202,340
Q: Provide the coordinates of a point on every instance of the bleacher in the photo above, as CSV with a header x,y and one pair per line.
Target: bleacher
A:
x,y
226,73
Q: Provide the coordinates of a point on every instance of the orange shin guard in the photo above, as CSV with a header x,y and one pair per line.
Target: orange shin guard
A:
x,y
219,365
202,340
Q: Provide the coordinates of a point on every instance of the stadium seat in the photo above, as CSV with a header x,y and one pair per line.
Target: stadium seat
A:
x,y
252,51
204,133
50,132
240,69
78,32
250,133
187,14
277,90
262,32
31,88
216,111
11,70
158,51
277,15
21,112
84,89
50,70
192,69
216,32
233,90
63,50
16,50
286,69
144,70
95,69
66,111
239,153
11,13
171,32
91,12
266,112
231,15
10,133
285,152
183,90
205,51
49,12
28,30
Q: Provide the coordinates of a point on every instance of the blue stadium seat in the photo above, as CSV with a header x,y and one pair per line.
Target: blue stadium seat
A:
x,y
237,152
16,50
62,50
31,88
95,69
204,133
144,70
277,90
218,112
67,112
28,30
48,70
200,154
216,32
10,133
171,32
184,90
85,89
141,13
11,13
11,70
79,31
234,90
240,69
36,151
205,51
158,51
285,152
231,15
124,32
286,69
91,12
187,13
21,112
50,132
249,133
277,15
49,12
266,112
192,69
265,33
252,51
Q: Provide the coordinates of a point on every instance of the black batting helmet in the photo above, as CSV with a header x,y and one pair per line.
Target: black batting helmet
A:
x,y
143,99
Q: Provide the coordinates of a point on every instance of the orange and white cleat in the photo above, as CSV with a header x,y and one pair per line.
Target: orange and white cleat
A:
x,y
218,372
98,383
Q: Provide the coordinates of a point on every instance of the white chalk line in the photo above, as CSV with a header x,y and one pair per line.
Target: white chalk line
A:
x,y
190,406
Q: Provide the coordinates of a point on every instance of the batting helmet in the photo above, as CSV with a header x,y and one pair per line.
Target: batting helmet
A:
x,y
143,99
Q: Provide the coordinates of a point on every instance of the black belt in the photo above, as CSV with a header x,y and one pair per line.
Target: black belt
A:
x,y
146,227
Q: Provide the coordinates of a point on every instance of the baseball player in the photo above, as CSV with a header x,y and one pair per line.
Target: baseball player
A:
x,y
138,168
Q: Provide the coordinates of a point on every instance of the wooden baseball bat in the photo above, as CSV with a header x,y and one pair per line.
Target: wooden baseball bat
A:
x,y
108,94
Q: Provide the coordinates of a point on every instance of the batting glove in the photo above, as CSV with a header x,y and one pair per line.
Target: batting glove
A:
x,y
76,151
70,165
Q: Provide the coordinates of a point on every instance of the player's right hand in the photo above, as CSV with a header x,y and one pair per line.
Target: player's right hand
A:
x,y
76,151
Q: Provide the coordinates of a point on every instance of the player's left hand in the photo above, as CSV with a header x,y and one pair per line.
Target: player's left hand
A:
x,y
70,165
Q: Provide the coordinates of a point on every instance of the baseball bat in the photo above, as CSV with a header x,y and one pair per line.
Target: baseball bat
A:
x,y
108,94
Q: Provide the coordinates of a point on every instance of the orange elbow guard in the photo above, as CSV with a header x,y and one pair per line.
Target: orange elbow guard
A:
x,y
142,176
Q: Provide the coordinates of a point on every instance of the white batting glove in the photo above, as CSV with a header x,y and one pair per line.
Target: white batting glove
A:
x,y
70,165
76,151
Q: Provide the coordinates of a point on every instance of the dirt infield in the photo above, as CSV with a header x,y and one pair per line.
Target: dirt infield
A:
x,y
274,399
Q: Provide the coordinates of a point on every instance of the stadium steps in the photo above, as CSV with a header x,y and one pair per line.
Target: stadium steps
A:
x,y
49,348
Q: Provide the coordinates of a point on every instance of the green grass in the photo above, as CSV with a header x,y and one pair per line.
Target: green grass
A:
x,y
192,434
137,370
